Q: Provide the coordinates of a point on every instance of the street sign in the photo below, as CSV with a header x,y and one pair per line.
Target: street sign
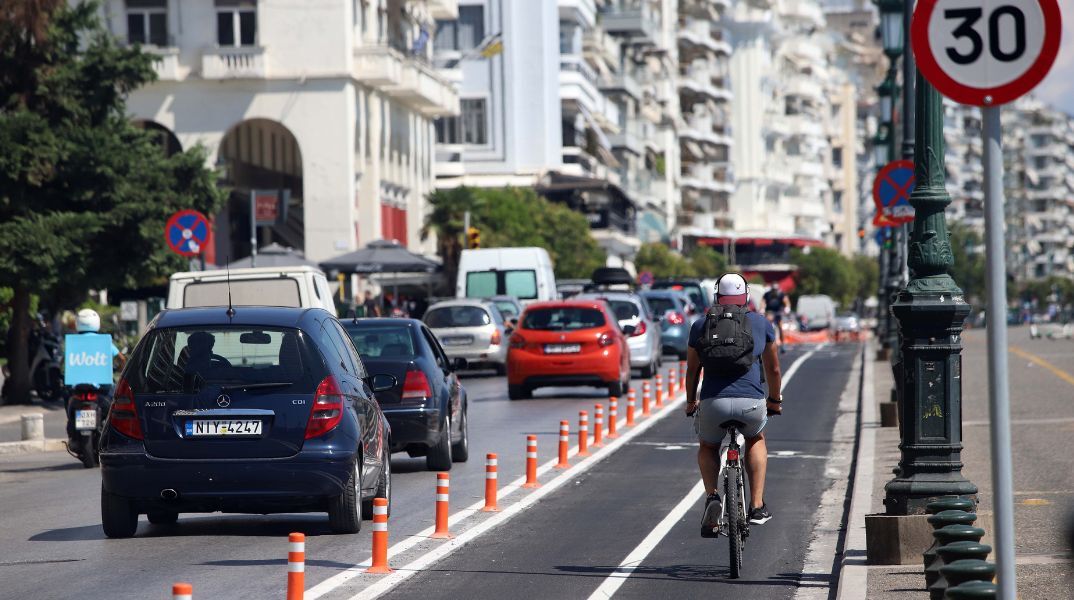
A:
x,y
891,193
645,278
187,233
985,52
128,310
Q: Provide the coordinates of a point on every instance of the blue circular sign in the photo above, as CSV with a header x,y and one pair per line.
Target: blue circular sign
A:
x,y
187,233
891,192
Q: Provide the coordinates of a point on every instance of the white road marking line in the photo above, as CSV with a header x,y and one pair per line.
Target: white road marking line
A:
x,y
619,576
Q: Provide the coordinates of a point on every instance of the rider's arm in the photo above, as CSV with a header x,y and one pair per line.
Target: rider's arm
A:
x,y
772,375
693,377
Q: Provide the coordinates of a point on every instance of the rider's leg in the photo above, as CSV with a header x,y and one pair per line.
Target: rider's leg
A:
x,y
709,464
756,466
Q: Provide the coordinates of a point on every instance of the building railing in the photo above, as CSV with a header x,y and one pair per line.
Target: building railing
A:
x,y
234,63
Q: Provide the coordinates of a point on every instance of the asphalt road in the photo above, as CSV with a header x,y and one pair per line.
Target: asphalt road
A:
x,y
54,546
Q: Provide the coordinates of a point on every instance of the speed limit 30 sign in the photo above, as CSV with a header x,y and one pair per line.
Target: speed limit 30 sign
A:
x,y
985,52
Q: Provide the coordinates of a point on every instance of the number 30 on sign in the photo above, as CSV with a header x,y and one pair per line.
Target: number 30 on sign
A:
x,y
985,52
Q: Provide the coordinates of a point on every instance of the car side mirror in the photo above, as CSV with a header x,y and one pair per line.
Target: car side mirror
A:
x,y
629,329
383,382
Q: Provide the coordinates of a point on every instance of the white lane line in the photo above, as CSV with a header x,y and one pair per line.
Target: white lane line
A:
x,y
618,577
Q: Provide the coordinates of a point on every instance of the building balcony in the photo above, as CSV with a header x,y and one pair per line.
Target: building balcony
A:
x,y
703,9
378,66
623,83
579,83
444,10
704,34
448,161
598,44
633,19
805,87
628,139
166,62
701,81
407,79
1053,149
234,63
805,12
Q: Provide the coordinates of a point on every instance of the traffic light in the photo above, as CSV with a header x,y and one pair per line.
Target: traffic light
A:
x,y
473,238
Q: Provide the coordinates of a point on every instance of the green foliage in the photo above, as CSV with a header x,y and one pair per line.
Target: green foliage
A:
x,y
1043,290
661,261
867,270
825,271
707,262
968,270
513,217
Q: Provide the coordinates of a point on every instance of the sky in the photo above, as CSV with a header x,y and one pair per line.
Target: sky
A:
x,y
1057,88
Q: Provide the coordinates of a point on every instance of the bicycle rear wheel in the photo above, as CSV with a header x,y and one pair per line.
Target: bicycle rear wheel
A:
x,y
735,521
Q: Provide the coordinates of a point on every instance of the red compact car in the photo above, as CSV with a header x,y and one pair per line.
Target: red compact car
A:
x,y
574,342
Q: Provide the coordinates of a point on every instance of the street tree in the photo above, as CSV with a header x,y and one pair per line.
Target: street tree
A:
x,y
968,268
660,260
824,271
84,193
707,262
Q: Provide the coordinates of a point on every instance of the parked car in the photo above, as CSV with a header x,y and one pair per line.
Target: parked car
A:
x,y
509,307
815,312
571,342
302,286
671,307
427,408
525,273
256,409
700,296
847,322
470,329
646,348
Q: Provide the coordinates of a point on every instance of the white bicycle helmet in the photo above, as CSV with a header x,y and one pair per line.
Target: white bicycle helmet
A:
x,y
87,321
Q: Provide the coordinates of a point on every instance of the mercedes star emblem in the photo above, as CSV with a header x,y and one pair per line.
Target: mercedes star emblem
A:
x,y
223,401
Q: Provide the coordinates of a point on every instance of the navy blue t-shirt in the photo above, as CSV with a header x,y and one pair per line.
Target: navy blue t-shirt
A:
x,y
743,386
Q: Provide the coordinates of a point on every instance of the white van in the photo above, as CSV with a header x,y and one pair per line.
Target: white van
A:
x,y
525,273
815,312
303,286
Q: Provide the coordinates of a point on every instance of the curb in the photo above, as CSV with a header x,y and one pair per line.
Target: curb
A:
x,y
854,576
31,446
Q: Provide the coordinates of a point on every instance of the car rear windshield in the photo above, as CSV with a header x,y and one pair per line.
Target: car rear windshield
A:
x,y
567,318
661,305
377,341
184,360
278,291
624,310
457,316
692,291
507,308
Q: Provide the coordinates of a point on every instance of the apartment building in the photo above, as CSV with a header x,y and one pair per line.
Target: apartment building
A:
x,y
330,103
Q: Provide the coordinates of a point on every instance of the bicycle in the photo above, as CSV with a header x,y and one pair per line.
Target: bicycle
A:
x,y
734,522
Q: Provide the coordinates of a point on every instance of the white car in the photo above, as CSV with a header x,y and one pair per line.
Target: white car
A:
x,y
470,329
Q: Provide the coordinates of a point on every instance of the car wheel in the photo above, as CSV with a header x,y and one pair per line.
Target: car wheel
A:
x,y
501,370
615,389
439,457
163,517
648,370
118,517
460,451
519,392
345,510
384,487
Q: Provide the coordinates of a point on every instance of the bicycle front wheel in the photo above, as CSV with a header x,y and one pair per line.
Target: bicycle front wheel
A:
x,y
735,522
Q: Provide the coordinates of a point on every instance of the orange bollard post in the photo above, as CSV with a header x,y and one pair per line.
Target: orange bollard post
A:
x,y
564,441
646,395
491,483
380,537
659,390
630,408
182,591
613,417
296,566
598,426
531,463
682,374
673,382
443,487
583,433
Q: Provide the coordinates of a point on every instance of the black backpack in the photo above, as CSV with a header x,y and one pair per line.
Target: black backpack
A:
x,y
726,344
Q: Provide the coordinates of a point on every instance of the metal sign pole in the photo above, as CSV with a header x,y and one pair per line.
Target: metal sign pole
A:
x,y
998,397
253,228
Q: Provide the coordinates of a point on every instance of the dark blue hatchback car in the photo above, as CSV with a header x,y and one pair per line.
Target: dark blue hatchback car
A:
x,y
257,410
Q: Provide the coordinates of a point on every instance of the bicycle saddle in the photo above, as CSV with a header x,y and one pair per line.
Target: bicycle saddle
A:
x,y
732,423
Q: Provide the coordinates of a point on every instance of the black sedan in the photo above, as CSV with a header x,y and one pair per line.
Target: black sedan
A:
x,y
258,410
427,408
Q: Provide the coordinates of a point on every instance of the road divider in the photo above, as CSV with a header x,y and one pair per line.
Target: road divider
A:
x,y
598,426
672,382
296,566
659,390
682,375
613,417
646,396
379,564
564,445
491,483
443,505
182,591
583,433
631,396
531,463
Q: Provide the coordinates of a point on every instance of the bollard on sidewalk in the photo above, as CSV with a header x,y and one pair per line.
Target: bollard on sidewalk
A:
x,y
682,375
613,417
631,396
598,426
531,463
182,591
296,566
33,427
646,395
491,483
380,537
443,507
583,433
672,376
564,445
659,390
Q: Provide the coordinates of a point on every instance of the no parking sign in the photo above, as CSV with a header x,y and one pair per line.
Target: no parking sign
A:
x,y
187,233
891,193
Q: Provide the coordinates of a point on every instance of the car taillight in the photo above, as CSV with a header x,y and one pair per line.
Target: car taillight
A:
x,y
416,386
496,338
327,409
605,340
639,330
676,318
124,415
518,342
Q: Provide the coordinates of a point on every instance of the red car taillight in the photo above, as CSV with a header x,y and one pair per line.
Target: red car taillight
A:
x,y
518,342
605,340
676,318
416,386
124,415
496,338
639,330
327,409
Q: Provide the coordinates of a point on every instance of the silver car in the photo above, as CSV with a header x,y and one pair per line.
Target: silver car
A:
x,y
470,329
645,343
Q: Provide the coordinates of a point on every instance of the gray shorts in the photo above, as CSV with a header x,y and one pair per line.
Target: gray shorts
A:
x,y
711,412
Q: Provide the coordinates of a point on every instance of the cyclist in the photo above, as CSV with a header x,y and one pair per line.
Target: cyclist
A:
x,y
739,397
775,304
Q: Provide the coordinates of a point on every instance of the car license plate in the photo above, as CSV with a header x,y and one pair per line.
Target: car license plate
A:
x,y
457,340
223,427
562,348
86,419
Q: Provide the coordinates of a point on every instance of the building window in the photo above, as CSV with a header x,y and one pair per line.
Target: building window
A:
x,y
474,121
837,202
147,22
236,23
464,34
837,158
449,130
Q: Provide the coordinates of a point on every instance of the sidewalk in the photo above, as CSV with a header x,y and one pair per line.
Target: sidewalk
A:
x,y
11,427
1042,421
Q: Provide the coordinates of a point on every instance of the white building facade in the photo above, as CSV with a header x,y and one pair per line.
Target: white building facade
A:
x,y
332,101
